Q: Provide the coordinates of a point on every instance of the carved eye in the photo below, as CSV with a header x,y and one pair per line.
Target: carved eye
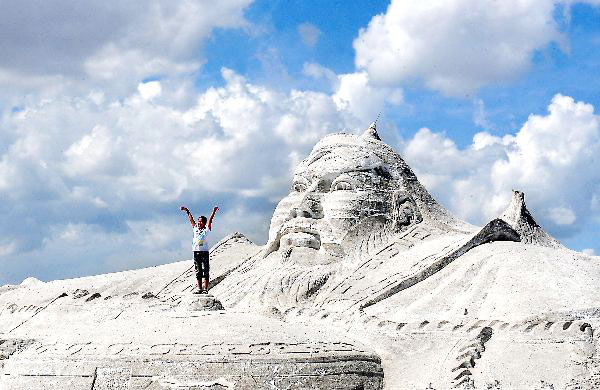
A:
x,y
342,186
298,186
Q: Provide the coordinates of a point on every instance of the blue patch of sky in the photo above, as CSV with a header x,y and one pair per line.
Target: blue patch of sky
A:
x,y
273,52
152,78
586,238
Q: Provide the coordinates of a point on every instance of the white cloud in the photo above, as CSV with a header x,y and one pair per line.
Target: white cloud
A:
x,y
149,90
484,139
96,153
309,33
480,117
157,234
455,46
356,94
116,45
73,233
318,71
589,251
552,158
562,215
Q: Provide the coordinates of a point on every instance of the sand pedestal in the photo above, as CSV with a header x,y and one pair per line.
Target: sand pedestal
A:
x,y
203,302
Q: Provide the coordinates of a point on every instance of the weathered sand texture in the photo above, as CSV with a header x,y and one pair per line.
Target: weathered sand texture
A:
x,y
129,337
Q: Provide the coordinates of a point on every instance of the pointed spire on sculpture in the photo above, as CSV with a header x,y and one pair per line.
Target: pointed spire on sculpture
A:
x,y
371,132
517,216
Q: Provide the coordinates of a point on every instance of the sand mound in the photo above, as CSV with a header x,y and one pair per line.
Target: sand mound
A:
x,y
501,280
31,281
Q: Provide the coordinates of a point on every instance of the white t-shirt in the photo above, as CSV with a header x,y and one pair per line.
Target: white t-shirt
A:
x,y
199,242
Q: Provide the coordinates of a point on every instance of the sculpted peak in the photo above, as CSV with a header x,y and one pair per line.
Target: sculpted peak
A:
x,y
350,198
347,184
520,219
371,132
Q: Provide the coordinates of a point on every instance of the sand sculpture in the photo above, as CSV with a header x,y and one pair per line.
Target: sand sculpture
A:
x,y
365,282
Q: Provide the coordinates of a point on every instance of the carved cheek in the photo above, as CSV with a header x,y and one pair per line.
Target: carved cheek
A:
x,y
378,203
342,210
282,212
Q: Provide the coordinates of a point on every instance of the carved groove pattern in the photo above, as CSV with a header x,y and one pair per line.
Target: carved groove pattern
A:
x,y
467,356
218,349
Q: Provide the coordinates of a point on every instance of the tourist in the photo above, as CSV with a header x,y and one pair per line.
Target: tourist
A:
x,y
200,247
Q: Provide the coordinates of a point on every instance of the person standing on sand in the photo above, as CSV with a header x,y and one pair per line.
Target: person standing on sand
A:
x,y
200,247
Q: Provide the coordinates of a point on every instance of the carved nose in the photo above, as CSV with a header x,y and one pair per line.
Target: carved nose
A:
x,y
309,207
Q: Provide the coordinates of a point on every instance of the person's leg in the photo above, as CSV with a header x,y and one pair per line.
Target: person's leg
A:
x,y
198,268
205,269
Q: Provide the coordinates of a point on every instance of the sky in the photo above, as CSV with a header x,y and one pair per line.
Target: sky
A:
x,y
114,114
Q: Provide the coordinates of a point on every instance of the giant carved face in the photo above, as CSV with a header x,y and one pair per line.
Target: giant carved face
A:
x,y
347,191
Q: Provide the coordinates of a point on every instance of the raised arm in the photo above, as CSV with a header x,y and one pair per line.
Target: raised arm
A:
x,y
212,215
190,217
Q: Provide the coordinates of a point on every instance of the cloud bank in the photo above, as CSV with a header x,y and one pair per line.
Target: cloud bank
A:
x,y
111,174
57,45
455,46
553,158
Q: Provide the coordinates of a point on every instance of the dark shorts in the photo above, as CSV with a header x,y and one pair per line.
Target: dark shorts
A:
x,y
201,264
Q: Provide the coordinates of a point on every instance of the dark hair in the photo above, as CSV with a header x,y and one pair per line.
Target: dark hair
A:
x,y
203,219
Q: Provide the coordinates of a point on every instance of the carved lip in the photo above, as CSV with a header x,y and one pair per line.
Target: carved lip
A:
x,y
300,233
296,227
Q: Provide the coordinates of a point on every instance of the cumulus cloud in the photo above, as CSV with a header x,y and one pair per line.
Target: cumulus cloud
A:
x,y
562,215
98,153
149,90
552,158
318,71
56,42
455,46
356,94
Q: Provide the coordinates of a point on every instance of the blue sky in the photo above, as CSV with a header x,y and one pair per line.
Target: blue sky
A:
x,y
113,115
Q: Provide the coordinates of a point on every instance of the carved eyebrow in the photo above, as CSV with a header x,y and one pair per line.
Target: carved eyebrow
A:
x,y
318,155
344,176
377,170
